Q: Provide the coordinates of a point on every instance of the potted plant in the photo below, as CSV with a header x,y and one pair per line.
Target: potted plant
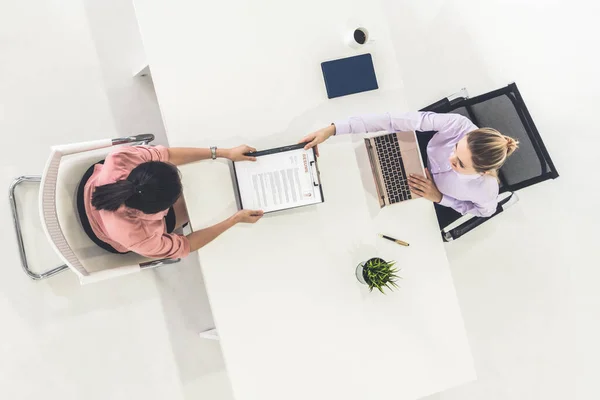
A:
x,y
378,274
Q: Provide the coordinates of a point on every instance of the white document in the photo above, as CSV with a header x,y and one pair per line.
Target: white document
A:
x,y
279,180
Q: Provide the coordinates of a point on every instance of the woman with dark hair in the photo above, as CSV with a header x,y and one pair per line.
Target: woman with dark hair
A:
x,y
132,201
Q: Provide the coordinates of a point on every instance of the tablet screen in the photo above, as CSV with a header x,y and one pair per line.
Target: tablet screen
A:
x,y
349,75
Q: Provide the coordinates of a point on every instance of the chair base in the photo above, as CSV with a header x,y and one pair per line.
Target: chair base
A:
x,y
13,204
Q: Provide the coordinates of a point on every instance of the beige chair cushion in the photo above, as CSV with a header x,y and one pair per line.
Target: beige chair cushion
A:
x,y
92,257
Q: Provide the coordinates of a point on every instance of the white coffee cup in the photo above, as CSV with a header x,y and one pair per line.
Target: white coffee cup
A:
x,y
358,37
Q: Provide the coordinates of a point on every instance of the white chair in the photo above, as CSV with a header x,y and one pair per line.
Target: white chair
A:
x,y
60,218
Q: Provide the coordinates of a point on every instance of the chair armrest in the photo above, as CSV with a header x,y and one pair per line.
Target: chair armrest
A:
x,y
73,148
474,222
468,226
143,138
159,263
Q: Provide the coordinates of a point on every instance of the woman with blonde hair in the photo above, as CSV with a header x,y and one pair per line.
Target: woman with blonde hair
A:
x,y
463,160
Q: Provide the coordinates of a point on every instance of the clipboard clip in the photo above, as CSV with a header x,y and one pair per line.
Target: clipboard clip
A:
x,y
314,172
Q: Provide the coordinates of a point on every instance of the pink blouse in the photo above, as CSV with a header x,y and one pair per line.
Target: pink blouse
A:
x,y
127,229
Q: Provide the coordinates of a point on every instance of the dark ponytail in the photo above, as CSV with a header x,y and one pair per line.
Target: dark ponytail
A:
x,y
112,196
150,187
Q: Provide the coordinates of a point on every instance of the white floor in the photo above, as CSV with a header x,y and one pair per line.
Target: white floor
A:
x,y
526,281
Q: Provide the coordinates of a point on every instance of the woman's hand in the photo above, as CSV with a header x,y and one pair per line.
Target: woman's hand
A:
x,y
318,137
425,187
247,216
239,153
201,238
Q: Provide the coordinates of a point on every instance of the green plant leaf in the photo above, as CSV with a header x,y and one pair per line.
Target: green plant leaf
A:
x,y
381,274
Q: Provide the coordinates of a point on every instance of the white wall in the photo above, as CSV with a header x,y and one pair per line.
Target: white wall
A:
x,y
526,281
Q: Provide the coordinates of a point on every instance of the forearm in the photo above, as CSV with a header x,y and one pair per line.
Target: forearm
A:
x,y
409,121
378,122
185,155
203,237
468,207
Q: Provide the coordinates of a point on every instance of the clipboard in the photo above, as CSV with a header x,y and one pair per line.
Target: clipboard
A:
x,y
280,179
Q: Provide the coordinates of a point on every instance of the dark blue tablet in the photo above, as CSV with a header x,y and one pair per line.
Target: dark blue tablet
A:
x,y
349,75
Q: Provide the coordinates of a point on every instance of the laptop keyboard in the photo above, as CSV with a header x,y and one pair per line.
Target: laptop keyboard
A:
x,y
392,168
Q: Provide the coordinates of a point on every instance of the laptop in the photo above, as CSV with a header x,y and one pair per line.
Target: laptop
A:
x,y
394,157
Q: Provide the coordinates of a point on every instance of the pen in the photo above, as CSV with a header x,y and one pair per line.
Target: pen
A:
x,y
400,242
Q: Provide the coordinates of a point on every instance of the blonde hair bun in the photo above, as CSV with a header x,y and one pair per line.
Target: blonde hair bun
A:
x,y
490,149
511,145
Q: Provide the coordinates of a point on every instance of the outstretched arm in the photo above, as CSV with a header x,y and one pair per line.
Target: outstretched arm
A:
x,y
445,124
185,155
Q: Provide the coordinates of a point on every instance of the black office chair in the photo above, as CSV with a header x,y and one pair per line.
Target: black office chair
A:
x,y
504,110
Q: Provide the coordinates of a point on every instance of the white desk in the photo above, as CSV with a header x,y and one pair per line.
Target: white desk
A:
x,y
293,321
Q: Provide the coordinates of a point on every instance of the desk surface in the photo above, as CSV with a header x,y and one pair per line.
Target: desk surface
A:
x,y
293,320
